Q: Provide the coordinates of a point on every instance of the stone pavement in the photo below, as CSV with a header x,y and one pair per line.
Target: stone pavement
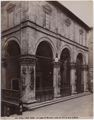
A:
x,y
75,108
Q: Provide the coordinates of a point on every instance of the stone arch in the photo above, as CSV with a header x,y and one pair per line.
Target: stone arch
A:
x,y
6,41
83,55
11,39
12,55
48,41
70,50
44,71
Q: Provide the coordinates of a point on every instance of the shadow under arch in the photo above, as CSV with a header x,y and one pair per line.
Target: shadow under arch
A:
x,y
49,41
70,51
65,87
12,54
79,73
44,72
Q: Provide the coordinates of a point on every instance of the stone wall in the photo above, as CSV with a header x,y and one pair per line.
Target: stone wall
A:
x,y
45,15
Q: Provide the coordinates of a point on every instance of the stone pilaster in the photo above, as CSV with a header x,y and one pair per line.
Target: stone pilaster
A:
x,y
85,77
56,79
3,73
73,78
27,78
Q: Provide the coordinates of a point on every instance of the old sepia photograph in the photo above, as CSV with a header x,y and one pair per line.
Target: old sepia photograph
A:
x,y
47,59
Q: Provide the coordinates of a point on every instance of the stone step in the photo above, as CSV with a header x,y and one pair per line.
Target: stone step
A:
x,y
55,100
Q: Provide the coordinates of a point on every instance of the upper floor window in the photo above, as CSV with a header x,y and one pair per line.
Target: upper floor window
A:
x,y
81,36
47,11
67,29
10,15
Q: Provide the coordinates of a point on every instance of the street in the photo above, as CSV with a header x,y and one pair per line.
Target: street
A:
x,y
75,108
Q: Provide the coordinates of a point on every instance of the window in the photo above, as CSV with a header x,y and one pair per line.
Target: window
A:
x,y
67,29
47,10
10,15
81,36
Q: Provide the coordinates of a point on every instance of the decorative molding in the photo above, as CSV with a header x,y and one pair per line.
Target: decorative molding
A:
x,y
31,25
67,22
10,7
81,31
27,59
56,64
73,65
47,9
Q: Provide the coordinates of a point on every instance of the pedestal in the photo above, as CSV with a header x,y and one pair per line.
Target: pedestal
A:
x,y
27,79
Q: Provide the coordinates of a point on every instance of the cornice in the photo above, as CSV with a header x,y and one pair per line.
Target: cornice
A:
x,y
33,25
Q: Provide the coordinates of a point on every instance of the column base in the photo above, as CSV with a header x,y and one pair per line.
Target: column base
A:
x,y
30,102
86,91
57,96
73,93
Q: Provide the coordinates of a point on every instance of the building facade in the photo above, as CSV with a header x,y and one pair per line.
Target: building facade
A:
x,y
44,51
90,57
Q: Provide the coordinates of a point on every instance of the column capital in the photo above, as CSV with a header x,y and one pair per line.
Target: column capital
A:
x,y
56,64
73,65
27,59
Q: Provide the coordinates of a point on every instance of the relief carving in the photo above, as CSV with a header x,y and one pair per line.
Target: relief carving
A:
x,y
47,9
32,78
81,31
68,22
23,78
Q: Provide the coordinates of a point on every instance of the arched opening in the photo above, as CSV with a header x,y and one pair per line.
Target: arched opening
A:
x,y
44,72
12,52
79,81
65,88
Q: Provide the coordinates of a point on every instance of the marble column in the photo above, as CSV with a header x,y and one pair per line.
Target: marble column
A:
x,y
85,77
27,78
56,79
73,78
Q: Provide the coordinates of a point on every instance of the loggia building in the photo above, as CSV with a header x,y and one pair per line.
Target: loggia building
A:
x,y
44,51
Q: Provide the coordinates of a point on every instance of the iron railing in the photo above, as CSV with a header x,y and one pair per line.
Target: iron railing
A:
x,y
9,94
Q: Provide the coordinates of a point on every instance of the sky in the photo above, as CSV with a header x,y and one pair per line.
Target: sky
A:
x,y
82,9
